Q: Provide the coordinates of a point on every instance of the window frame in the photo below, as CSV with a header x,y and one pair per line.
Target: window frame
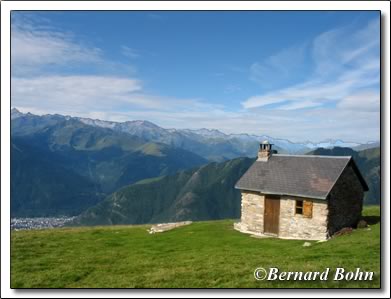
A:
x,y
299,207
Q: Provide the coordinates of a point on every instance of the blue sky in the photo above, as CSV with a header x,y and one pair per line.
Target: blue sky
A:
x,y
296,75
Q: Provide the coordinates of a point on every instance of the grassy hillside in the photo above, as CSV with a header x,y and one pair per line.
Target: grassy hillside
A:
x,y
203,193
203,254
62,166
40,186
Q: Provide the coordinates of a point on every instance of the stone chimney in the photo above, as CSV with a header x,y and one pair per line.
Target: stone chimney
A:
x,y
265,151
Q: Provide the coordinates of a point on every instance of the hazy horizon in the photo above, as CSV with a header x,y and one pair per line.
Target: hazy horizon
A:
x,y
210,129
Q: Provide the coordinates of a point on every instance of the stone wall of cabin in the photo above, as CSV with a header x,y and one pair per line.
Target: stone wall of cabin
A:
x,y
252,211
297,226
290,225
345,201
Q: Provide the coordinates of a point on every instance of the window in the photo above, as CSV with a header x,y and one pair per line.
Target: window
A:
x,y
299,207
304,207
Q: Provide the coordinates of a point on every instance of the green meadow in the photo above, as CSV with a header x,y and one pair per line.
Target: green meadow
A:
x,y
202,255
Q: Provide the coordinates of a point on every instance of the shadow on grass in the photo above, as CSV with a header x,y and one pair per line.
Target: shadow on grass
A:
x,y
371,219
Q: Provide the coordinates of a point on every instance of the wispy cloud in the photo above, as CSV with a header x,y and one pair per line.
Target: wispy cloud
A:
x,y
279,66
318,90
129,52
39,48
346,47
34,47
346,62
57,92
85,95
81,95
367,100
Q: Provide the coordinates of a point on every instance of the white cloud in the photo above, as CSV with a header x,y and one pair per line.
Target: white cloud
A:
x,y
344,47
365,101
299,105
33,48
83,95
363,44
61,93
346,61
263,100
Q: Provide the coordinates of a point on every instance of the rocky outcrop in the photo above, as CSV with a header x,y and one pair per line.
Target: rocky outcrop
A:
x,y
162,227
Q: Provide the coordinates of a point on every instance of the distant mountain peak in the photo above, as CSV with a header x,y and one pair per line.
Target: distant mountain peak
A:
x,y
15,113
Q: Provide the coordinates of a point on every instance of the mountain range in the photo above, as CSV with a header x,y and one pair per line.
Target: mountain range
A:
x,y
209,143
50,153
228,145
114,172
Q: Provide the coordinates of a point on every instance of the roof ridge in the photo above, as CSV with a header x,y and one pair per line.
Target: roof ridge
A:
x,y
312,156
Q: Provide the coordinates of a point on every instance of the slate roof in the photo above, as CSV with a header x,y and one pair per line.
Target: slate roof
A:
x,y
303,176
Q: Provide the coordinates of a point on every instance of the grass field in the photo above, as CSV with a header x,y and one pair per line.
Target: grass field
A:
x,y
203,254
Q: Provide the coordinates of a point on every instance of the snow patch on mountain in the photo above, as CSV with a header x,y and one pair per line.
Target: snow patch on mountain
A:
x,y
97,123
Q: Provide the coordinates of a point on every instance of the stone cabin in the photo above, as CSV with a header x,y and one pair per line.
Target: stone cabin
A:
x,y
300,196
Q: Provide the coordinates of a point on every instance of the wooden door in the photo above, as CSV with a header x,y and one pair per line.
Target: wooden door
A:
x,y
271,215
